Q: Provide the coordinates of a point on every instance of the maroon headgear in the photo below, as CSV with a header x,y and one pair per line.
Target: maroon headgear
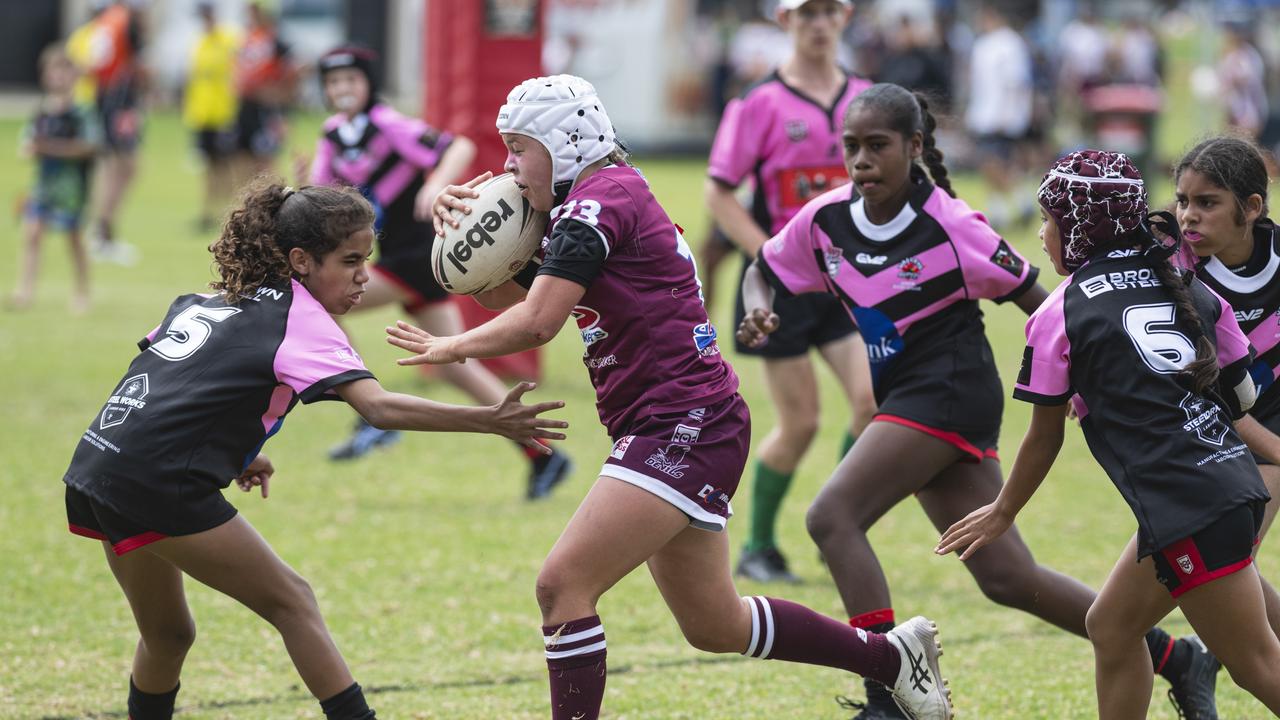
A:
x,y
1096,198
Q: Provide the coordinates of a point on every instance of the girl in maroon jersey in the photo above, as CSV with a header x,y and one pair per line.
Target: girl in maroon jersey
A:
x,y
617,263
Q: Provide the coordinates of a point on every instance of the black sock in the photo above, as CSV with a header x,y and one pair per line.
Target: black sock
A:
x,y
145,706
347,705
1169,657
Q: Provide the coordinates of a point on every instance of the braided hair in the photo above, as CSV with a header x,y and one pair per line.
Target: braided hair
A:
x,y
906,113
1099,204
271,220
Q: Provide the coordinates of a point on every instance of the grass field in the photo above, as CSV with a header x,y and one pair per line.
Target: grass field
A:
x,y
424,556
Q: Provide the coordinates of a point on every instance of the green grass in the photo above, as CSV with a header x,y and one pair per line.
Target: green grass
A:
x,y
424,556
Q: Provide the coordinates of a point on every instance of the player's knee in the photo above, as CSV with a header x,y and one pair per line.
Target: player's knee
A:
x,y
712,638
1009,587
551,588
825,523
799,429
171,639
1100,626
293,597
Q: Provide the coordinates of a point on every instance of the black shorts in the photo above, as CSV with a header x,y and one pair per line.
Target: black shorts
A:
x,y
260,129
807,321
1218,550
90,518
953,393
120,118
216,143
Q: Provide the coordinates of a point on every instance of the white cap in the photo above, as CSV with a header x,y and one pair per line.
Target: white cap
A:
x,y
795,4
563,113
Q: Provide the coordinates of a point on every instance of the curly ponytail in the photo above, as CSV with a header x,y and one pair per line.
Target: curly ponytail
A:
x,y
932,156
271,220
906,113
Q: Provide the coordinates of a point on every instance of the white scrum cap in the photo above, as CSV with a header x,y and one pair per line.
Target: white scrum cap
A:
x,y
563,113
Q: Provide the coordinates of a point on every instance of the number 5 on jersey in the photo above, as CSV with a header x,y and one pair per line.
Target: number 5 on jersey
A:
x,y
189,331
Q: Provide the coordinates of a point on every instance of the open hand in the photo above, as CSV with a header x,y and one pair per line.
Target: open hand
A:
x,y
978,528
427,348
756,326
516,421
452,198
258,474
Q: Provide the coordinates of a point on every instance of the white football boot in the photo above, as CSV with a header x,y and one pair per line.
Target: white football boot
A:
x,y
920,691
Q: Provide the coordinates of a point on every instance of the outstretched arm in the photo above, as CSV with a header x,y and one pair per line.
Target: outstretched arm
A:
x,y
510,418
1036,455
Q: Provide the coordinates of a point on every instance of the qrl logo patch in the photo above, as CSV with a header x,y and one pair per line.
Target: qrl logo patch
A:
x,y
1184,562
1005,258
910,268
620,447
128,397
832,257
797,130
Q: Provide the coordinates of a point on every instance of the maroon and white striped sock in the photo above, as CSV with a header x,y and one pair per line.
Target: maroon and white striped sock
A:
x,y
576,663
783,630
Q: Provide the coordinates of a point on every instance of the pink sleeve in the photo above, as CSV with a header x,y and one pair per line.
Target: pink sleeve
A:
x,y
417,142
992,268
737,146
1045,376
315,355
1233,345
322,164
790,259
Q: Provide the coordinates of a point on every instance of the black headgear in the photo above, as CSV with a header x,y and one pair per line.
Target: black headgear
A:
x,y
352,56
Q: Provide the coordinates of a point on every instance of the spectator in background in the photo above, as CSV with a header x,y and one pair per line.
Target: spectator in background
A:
x,y
1242,78
999,112
209,109
916,61
114,45
266,81
63,137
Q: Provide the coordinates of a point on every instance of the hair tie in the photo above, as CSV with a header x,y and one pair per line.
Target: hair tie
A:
x,y
288,190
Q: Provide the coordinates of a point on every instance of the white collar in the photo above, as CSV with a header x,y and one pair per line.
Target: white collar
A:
x,y
885,232
351,131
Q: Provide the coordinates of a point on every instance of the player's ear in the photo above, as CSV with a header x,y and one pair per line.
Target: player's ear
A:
x,y
300,261
916,144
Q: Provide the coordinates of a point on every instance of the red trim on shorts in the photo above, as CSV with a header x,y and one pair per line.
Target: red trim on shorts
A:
x,y
946,436
137,541
86,532
416,301
1168,650
873,618
1210,576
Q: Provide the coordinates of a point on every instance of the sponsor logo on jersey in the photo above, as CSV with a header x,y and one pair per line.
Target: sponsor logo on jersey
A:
x,y
910,268
869,259
599,363
478,235
588,320
797,130
1204,418
698,414
714,496
346,355
1123,253
620,447
1124,280
1184,562
130,396
831,259
685,434
704,339
1247,315
669,460
1006,259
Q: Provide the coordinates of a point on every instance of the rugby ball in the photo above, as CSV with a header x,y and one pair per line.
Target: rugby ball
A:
x,y
493,242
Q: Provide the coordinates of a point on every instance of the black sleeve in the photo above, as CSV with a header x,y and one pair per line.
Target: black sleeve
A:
x,y
577,252
1032,275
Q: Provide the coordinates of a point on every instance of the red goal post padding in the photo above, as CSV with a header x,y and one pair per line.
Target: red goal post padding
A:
x,y
475,52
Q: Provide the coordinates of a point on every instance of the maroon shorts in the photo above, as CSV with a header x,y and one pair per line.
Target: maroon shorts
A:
x,y
692,459
89,518
1216,551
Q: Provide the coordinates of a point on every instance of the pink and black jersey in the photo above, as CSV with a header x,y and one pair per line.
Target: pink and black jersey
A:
x,y
786,142
210,385
1110,332
1253,290
649,345
386,155
912,284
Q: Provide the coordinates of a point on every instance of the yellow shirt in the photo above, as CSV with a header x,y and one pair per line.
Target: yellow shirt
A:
x,y
79,50
211,92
